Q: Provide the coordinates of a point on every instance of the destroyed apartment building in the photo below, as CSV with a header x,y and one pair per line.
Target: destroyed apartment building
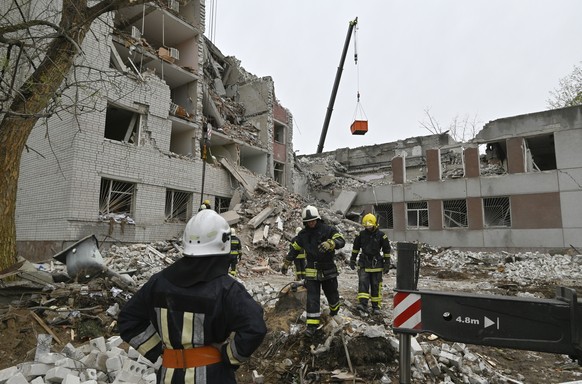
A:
x,y
174,122
517,184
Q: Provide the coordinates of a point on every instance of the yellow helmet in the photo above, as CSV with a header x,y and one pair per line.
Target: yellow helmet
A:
x,y
369,221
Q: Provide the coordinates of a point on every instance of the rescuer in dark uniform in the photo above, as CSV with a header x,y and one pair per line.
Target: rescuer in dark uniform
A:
x,y
374,259
319,242
235,252
201,321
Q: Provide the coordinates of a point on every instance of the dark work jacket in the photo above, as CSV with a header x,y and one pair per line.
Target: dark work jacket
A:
x,y
308,240
371,243
197,295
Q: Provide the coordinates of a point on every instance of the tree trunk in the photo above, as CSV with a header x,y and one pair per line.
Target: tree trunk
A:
x,y
23,114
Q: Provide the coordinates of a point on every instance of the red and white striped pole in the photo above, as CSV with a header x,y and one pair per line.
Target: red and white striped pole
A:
x,y
407,306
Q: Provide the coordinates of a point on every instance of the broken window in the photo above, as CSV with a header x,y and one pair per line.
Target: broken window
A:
x,y
455,213
178,205
116,197
221,204
122,124
384,215
541,154
279,172
496,212
417,214
279,133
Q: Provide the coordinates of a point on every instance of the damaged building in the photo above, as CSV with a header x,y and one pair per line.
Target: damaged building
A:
x,y
166,122
517,184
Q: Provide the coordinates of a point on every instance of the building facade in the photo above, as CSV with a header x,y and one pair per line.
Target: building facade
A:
x,y
144,144
534,203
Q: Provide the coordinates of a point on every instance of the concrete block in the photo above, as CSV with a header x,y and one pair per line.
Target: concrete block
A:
x,y
258,236
88,374
48,358
113,341
43,346
114,363
71,379
344,201
132,353
115,351
459,347
451,359
7,373
142,360
17,379
258,219
90,382
98,344
69,363
231,217
38,380
70,351
31,370
150,378
90,360
415,347
127,377
57,374
135,367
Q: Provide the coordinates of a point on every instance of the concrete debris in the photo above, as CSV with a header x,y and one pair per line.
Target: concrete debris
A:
x,y
98,361
524,268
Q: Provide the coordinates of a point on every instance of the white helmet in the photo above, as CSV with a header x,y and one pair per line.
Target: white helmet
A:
x,y
310,213
233,232
207,233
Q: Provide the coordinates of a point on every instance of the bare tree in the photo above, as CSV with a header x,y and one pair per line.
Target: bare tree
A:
x,y
461,129
569,90
40,42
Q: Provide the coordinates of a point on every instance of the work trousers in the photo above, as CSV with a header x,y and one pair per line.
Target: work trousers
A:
x,y
313,298
370,287
299,268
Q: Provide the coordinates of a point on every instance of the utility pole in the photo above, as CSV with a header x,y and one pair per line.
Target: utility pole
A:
x,y
207,133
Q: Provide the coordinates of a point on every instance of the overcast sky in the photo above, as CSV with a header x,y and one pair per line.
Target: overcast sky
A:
x,y
482,59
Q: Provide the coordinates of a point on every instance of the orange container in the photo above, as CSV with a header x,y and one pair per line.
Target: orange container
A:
x,y
359,127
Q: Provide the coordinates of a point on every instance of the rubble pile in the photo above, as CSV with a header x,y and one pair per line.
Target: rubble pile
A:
x,y
522,269
351,347
325,172
99,361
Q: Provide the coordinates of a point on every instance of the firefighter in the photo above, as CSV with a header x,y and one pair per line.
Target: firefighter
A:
x,y
205,205
235,252
299,261
319,242
374,259
201,321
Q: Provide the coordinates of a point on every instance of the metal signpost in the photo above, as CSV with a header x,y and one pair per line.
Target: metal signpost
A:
x,y
543,325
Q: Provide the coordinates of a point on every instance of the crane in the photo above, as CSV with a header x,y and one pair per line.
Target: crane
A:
x,y
338,77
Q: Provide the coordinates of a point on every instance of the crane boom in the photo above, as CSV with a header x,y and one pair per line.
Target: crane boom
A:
x,y
338,77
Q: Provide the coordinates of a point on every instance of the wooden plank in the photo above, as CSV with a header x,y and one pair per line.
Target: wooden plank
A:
x,y
45,327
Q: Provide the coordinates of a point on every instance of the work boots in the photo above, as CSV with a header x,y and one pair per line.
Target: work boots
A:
x,y
362,308
310,330
376,311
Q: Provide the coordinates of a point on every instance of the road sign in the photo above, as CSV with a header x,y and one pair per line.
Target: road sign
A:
x,y
544,325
